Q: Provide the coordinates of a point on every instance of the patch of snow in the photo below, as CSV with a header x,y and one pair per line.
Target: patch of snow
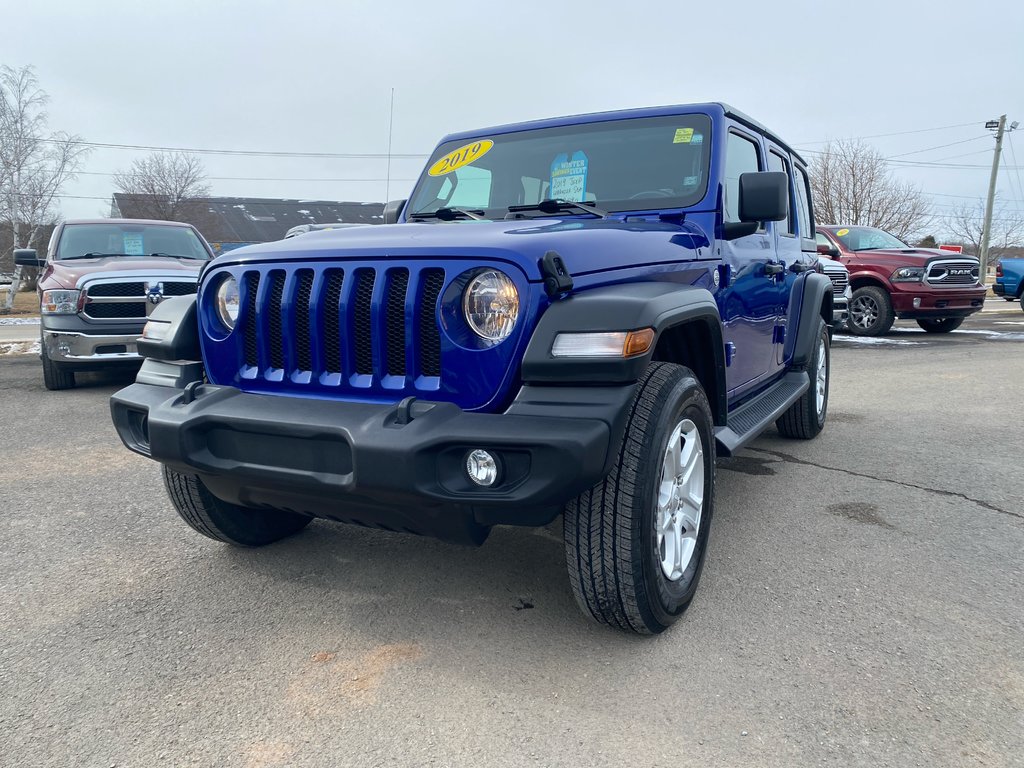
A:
x,y
239,207
304,212
875,341
997,322
19,321
19,348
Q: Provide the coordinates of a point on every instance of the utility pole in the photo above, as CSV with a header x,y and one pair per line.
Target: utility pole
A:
x,y
1000,128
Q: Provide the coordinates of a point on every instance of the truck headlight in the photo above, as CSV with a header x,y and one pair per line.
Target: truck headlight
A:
x,y
908,275
227,302
491,305
60,302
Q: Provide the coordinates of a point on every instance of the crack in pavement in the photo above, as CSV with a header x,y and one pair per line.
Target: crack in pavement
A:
x,y
938,491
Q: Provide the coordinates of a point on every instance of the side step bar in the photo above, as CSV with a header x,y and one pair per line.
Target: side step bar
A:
x,y
754,416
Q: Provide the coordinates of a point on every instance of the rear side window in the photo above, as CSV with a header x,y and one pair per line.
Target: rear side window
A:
x,y
741,156
803,204
777,162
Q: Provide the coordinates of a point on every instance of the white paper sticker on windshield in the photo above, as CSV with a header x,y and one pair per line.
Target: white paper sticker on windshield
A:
x,y
569,177
133,244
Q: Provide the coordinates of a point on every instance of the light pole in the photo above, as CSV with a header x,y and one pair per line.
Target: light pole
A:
x,y
999,126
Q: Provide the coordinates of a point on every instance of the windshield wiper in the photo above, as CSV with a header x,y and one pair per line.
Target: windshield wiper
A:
x,y
92,255
559,206
176,256
449,214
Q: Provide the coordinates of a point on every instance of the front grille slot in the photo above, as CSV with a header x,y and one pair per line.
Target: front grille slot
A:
x,y
839,282
362,326
394,318
332,321
252,286
303,343
275,324
121,310
177,288
134,290
430,333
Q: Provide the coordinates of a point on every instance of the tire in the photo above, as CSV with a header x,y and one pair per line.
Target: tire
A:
x,y
805,418
617,558
941,324
870,312
229,523
55,375
1022,301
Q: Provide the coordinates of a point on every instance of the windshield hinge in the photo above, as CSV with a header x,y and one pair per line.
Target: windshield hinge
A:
x,y
557,279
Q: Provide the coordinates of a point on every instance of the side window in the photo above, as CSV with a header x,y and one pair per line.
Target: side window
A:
x,y
741,156
777,162
803,204
820,239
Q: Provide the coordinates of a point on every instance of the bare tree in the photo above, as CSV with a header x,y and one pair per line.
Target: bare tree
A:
x,y
966,223
34,164
163,186
852,185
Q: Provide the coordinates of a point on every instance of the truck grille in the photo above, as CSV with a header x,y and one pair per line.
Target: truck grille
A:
x,y
840,279
953,272
127,299
391,313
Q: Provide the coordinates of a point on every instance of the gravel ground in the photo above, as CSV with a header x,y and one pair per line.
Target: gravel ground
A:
x,y
861,606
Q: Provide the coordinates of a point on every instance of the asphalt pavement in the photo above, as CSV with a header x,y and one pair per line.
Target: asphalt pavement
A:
x,y
861,604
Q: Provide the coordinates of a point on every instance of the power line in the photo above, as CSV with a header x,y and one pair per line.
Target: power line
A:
x,y
1016,168
242,152
940,146
897,133
252,178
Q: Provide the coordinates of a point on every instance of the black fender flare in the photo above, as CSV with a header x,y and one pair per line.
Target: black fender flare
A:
x,y
176,317
810,301
623,307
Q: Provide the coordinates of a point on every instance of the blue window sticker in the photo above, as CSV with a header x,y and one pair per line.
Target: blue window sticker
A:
x,y
698,138
569,177
133,244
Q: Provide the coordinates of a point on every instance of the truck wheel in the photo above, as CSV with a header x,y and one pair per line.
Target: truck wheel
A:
x,y
635,542
55,375
230,523
870,312
805,418
941,324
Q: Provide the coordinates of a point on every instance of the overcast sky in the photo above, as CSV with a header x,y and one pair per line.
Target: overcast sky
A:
x,y
317,77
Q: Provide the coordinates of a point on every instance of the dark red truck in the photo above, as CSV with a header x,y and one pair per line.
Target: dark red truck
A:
x,y
891,279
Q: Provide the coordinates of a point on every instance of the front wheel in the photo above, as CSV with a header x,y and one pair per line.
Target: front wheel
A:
x,y
229,523
635,542
870,312
941,324
56,376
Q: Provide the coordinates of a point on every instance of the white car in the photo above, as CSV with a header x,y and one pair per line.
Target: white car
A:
x,y
841,293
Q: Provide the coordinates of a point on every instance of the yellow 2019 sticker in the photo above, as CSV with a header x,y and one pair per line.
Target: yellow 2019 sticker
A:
x,y
683,136
462,156
842,233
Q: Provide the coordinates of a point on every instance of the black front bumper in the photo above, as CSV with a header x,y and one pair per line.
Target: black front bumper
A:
x,y
397,466
998,289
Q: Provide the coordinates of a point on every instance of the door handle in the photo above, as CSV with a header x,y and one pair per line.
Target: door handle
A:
x,y
771,270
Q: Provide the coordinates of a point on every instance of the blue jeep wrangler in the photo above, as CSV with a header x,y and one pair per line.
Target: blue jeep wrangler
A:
x,y
569,316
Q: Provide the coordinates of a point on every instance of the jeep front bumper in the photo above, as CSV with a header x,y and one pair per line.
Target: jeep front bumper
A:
x,y
397,466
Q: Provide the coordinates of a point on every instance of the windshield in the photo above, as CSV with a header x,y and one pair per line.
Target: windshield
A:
x,y
77,240
621,165
868,239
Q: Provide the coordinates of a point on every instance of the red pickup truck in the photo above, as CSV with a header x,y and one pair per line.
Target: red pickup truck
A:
x,y
891,279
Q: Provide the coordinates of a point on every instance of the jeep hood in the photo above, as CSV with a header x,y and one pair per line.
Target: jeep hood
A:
x,y
586,245
71,272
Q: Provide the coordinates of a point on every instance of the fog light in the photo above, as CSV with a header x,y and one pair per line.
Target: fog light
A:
x,y
917,303
482,467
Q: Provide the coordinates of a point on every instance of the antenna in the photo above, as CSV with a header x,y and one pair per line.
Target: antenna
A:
x,y
391,124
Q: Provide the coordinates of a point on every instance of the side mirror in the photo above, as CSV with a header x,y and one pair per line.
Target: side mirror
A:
x,y
764,196
392,210
828,250
26,257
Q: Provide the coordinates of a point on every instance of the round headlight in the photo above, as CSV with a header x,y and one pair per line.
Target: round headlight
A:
x,y
227,302
491,305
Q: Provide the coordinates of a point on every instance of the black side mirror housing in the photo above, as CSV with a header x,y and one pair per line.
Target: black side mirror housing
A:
x,y
764,196
26,257
392,210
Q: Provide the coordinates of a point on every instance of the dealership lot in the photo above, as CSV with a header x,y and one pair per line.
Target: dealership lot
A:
x,y
861,604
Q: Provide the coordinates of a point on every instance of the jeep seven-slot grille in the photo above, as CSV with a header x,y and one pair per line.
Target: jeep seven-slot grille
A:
x,y
370,322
